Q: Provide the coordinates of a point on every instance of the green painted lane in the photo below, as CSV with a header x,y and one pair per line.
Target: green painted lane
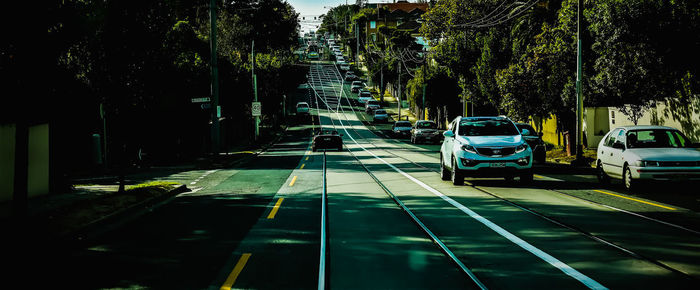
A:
x,y
605,262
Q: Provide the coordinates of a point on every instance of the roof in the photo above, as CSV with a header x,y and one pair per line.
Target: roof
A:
x,y
646,127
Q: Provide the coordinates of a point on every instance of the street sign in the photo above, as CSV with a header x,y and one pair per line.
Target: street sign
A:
x,y
201,100
256,108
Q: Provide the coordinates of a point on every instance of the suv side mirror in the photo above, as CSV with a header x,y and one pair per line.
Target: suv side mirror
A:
x,y
525,132
448,133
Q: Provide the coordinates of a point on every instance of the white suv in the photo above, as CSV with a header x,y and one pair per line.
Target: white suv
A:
x,y
484,146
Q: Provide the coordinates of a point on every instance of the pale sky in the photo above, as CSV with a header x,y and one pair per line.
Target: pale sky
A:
x,y
315,7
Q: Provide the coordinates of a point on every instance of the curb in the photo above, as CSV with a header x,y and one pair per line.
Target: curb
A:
x,y
120,217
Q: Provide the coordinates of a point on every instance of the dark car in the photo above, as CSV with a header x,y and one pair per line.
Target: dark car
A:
x,y
425,130
327,139
534,139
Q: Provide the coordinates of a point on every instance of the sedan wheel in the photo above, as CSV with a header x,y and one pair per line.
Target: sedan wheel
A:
x,y
630,183
600,173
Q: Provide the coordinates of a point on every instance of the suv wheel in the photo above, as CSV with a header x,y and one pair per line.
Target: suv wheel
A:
x,y
526,178
457,178
444,173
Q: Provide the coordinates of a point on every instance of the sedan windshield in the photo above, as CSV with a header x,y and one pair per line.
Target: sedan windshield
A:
x,y
659,138
529,128
487,128
426,125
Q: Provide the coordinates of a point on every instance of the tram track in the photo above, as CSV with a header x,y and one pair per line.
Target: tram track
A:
x,y
340,111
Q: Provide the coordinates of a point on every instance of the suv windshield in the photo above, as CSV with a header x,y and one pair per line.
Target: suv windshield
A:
x,y
487,127
657,138
426,125
403,124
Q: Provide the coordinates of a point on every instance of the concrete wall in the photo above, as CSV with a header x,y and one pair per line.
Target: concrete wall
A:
x,y
38,170
595,126
38,175
7,161
687,119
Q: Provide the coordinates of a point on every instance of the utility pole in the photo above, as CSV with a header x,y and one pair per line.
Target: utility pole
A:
x,y
398,97
215,110
579,95
255,89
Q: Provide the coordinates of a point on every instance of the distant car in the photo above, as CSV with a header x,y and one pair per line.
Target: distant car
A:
x,y
380,116
344,66
302,108
534,139
356,86
641,153
339,60
313,55
364,96
401,129
350,76
425,130
371,105
327,139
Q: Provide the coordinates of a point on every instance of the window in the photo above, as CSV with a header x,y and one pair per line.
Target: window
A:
x,y
487,128
373,24
658,138
611,138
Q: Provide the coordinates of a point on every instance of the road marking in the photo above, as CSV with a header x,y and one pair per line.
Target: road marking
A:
x,y
274,210
236,271
538,176
293,181
634,199
307,158
302,166
566,269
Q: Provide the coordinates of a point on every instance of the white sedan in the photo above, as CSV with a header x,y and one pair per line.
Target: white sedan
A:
x,y
638,153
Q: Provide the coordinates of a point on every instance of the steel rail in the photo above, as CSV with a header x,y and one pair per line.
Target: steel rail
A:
x,y
405,209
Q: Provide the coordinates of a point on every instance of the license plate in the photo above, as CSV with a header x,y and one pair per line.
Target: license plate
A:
x,y
497,164
326,139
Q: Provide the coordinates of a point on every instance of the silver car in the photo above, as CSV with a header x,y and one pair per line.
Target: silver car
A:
x,y
641,153
425,130
380,115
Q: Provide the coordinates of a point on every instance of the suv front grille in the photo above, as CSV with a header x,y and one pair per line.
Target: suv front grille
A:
x,y
495,151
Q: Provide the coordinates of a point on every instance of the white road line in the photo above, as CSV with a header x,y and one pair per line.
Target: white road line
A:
x,y
568,270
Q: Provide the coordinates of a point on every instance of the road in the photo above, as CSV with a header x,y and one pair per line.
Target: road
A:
x,y
377,215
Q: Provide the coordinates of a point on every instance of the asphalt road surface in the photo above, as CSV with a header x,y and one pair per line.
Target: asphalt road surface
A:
x,y
376,215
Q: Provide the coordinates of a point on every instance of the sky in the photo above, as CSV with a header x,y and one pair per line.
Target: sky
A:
x,y
315,7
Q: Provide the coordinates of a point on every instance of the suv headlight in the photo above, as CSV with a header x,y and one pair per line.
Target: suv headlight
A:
x,y
469,148
521,148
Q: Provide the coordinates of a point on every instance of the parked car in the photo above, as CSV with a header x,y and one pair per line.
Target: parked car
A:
x,y
302,108
371,105
484,146
356,86
401,129
380,116
344,66
350,76
339,59
534,139
364,96
637,154
425,130
327,139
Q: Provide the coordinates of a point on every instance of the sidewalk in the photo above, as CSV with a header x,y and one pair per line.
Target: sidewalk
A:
x,y
94,202
391,107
